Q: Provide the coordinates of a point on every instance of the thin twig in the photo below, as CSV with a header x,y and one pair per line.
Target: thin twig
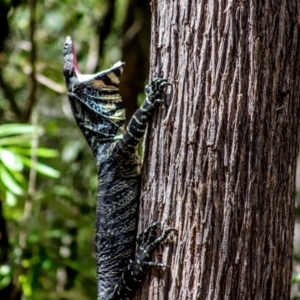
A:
x,y
42,79
31,184
28,204
32,85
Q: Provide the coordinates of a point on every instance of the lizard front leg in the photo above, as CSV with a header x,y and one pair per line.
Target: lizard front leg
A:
x,y
138,123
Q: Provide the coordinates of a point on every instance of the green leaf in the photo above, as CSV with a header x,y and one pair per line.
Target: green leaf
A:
x,y
41,152
11,160
46,152
9,181
5,281
10,199
17,140
5,270
296,277
13,129
41,168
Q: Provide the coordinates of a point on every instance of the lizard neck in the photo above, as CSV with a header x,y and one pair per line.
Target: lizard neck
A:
x,y
103,125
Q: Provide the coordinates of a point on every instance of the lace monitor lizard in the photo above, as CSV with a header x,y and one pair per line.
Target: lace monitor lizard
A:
x,y
99,112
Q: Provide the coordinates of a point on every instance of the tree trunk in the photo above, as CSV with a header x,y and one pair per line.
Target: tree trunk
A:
x,y
220,157
135,52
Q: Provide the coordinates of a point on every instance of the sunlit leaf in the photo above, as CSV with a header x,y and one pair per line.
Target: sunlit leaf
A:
x,y
47,264
17,140
41,168
63,191
9,181
10,199
18,129
5,281
296,277
41,152
54,233
11,160
25,263
19,177
25,282
5,270
47,153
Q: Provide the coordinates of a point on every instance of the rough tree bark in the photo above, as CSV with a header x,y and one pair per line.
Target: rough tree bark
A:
x,y
220,157
135,52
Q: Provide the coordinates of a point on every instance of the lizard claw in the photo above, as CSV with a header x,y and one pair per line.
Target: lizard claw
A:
x,y
155,90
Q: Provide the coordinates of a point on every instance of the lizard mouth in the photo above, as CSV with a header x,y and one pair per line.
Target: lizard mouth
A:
x,y
70,53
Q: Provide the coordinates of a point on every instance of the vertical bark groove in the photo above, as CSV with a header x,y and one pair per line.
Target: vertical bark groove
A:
x,y
220,158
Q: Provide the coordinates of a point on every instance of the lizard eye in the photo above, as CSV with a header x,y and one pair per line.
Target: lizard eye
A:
x,y
67,69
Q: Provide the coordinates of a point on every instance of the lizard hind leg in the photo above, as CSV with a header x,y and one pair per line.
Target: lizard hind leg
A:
x,y
148,242
153,243
149,232
136,270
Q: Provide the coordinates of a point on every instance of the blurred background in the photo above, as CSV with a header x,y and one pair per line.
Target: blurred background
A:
x,y
48,182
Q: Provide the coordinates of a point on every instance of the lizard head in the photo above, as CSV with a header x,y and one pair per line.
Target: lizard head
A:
x,y
71,69
94,99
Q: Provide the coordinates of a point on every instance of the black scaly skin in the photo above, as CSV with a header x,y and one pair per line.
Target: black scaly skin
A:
x,y
98,110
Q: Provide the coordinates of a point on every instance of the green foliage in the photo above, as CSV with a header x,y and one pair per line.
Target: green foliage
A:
x,y
5,276
296,277
15,151
296,285
50,229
